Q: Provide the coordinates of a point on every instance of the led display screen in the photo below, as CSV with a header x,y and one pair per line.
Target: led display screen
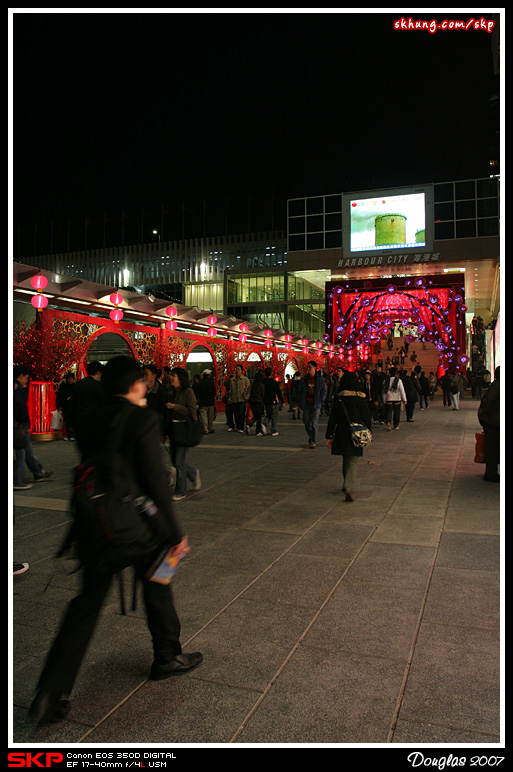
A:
x,y
388,221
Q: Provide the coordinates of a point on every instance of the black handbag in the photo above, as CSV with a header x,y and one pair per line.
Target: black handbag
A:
x,y
186,433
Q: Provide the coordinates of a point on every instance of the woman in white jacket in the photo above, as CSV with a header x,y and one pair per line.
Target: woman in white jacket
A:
x,y
393,394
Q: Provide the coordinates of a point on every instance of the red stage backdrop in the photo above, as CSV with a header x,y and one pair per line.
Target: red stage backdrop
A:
x,y
361,313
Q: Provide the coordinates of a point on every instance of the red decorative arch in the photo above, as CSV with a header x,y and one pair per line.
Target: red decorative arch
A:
x,y
118,331
210,351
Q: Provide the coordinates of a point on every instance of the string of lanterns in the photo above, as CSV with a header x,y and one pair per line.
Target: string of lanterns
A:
x,y
212,332
172,323
243,328
39,283
116,314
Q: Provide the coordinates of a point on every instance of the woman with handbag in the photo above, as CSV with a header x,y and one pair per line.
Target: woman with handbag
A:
x,y
349,407
182,410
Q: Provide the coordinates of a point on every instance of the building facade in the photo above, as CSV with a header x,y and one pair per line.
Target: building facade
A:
x,y
278,279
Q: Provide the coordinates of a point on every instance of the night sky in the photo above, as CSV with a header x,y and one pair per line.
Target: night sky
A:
x,y
220,117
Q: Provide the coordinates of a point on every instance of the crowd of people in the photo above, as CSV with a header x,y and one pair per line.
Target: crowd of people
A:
x,y
147,403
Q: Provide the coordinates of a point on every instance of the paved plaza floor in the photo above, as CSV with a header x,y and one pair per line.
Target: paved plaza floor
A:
x,y
321,621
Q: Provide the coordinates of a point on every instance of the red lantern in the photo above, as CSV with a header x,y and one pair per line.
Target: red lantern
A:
x,y
288,338
172,324
305,343
171,311
319,344
212,319
39,282
268,333
243,338
212,332
39,302
243,327
116,315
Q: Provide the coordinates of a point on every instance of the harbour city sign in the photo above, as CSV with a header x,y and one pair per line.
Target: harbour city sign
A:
x,y
392,259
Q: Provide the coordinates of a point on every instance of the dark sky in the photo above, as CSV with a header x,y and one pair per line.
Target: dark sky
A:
x,y
229,115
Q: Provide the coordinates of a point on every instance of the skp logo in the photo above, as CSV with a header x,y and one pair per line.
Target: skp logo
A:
x,y
34,759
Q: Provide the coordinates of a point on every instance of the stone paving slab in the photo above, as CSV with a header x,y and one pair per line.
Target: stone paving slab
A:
x,y
321,621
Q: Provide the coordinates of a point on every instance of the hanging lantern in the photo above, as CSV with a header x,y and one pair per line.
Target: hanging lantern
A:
x,y
319,344
172,324
288,338
243,327
212,332
268,333
243,338
288,346
116,314
39,283
305,343
39,302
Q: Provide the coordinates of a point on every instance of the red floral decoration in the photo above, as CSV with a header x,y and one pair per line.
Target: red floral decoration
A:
x,y
48,352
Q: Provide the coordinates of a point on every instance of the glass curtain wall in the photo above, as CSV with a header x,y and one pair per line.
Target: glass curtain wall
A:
x,y
283,301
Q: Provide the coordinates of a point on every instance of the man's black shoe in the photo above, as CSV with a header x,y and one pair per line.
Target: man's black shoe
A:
x,y
48,708
182,663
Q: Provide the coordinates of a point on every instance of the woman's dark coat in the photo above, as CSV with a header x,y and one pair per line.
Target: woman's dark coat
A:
x,y
358,411
412,394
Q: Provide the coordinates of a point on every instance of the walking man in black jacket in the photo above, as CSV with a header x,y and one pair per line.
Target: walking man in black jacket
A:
x,y
140,447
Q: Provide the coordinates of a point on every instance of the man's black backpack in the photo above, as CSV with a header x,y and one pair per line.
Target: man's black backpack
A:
x,y
112,518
